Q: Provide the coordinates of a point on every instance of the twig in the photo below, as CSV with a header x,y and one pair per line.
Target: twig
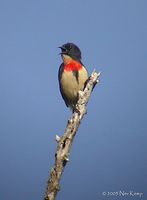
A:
x,y
65,142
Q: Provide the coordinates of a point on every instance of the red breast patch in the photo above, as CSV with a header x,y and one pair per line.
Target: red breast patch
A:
x,y
73,66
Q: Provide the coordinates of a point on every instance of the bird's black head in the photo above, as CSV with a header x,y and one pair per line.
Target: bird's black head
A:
x,y
71,50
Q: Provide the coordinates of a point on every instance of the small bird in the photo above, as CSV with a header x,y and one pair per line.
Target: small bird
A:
x,y
72,74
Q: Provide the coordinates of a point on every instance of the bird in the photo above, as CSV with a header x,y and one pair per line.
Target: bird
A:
x,y
72,74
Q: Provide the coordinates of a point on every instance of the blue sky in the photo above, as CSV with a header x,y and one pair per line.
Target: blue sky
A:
x,y
109,151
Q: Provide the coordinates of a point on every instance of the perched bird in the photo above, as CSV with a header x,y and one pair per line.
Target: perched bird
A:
x,y
72,74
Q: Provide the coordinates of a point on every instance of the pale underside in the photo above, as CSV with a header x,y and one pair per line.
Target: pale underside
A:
x,y
71,86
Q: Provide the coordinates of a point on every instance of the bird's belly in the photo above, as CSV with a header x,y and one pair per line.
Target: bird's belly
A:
x,y
71,85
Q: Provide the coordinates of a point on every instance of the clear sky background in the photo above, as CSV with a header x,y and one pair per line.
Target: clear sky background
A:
x,y
110,151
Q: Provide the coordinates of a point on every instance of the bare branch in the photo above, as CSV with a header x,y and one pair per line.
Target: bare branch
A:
x,y
65,142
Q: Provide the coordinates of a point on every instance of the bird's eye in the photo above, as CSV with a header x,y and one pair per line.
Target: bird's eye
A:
x,y
70,47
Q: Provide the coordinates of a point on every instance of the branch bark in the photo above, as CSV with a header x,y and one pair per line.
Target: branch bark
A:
x,y
65,142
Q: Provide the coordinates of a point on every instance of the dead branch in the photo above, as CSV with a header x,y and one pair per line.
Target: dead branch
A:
x,y
65,142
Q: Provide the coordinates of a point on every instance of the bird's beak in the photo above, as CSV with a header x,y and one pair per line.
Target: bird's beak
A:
x,y
63,49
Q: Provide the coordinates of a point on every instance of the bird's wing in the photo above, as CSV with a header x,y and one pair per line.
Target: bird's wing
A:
x,y
61,68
